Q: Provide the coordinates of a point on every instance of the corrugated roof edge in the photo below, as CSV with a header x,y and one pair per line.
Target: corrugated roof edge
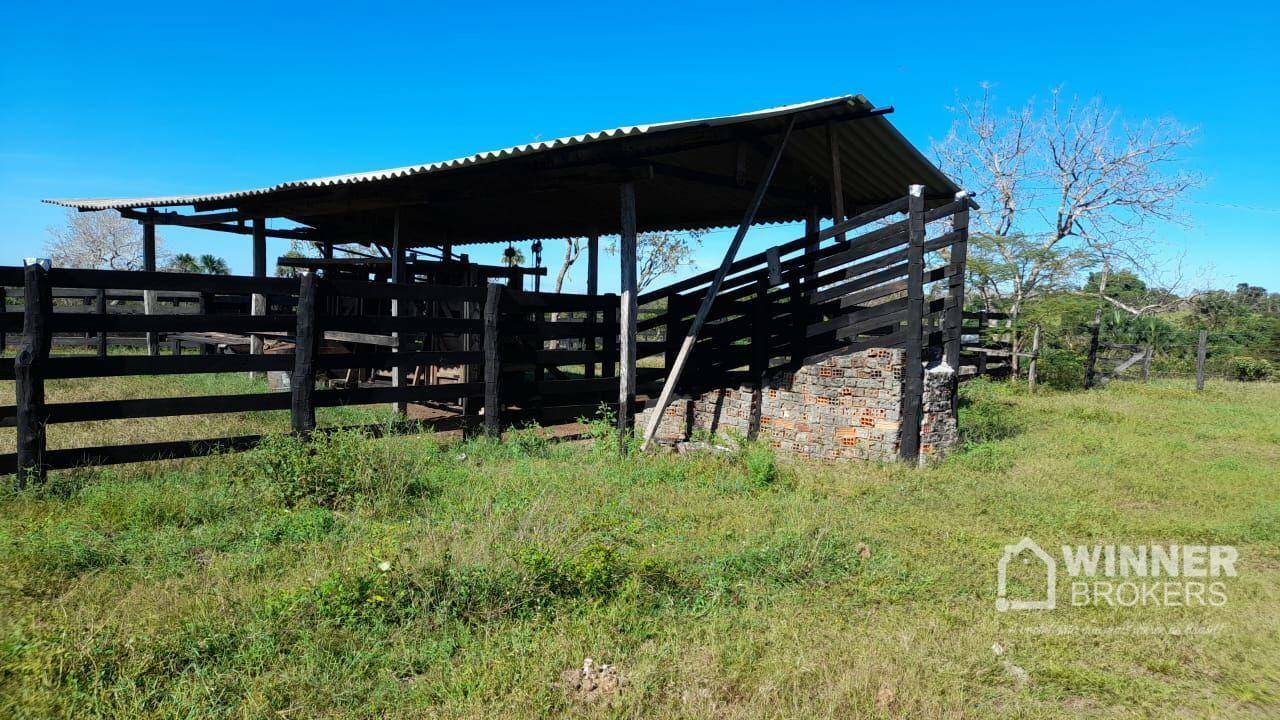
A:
x,y
87,204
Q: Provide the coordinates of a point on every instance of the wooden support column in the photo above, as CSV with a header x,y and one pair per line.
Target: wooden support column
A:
x,y
28,369
258,301
955,286
149,265
306,344
691,337
398,308
799,294
837,183
627,312
912,356
493,361
593,289
4,308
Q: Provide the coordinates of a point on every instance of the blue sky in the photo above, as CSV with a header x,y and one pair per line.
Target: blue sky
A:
x,y
171,98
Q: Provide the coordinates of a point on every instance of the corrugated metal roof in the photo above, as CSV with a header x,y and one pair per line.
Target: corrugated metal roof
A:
x,y
855,101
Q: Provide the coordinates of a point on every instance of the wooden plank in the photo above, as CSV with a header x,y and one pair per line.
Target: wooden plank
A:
x,y
775,267
913,358
673,372
866,218
627,312
168,281
90,322
492,361
408,393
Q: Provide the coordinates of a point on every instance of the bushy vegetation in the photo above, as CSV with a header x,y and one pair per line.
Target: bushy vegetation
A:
x,y
412,576
1243,330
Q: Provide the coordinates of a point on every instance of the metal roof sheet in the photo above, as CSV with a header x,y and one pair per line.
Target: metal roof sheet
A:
x,y
855,101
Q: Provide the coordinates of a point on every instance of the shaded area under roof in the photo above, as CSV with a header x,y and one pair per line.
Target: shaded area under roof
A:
x,y
690,174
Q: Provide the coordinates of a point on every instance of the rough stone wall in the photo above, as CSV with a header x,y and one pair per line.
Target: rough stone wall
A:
x,y
844,407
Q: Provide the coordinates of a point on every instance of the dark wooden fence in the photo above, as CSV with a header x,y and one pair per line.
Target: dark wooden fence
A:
x,y
502,333
894,278
987,345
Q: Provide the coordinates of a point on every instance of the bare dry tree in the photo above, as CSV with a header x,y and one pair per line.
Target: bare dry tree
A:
x,y
99,240
1062,190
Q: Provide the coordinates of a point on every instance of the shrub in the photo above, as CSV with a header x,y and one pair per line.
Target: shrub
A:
x,y
1251,369
328,469
1061,369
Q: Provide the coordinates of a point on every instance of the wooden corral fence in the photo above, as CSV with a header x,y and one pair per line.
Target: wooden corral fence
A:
x,y
510,374
893,278
986,345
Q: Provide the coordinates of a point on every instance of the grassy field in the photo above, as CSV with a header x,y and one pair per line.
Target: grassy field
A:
x,y
416,577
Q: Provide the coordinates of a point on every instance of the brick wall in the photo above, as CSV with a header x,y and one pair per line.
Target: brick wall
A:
x,y
844,407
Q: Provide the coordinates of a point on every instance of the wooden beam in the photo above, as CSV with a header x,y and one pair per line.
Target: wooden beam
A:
x,y
627,312
399,274
837,184
593,289
913,356
673,372
154,217
149,265
258,301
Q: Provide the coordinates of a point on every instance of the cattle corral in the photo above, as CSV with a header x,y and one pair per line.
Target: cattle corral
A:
x,y
418,324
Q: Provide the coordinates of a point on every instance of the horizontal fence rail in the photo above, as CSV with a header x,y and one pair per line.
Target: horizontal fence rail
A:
x,y
305,319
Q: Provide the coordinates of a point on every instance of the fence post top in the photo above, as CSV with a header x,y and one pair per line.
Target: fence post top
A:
x,y
42,263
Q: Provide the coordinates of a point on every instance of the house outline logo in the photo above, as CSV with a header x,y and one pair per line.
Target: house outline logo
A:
x,y
1003,603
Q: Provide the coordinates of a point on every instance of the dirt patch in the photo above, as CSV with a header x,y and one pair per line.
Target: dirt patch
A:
x,y
593,683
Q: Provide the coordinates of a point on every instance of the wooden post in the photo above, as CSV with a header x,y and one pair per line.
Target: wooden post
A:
x,y
760,333
306,342
470,311
627,312
609,340
980,360
1201,349
1091,360
102,311
837,184
4,308
492,361
912,356
28,377
1035,358
149,265
593,289
398,275
798,295
955,286
1146,365
691,337
258,301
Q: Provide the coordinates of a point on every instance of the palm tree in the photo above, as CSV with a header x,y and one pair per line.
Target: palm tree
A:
x,y
214,265
184,263
511,257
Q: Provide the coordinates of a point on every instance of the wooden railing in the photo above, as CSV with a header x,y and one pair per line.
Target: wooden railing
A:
x,y
503,333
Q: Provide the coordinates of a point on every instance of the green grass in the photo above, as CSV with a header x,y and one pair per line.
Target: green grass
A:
x,y
415,577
